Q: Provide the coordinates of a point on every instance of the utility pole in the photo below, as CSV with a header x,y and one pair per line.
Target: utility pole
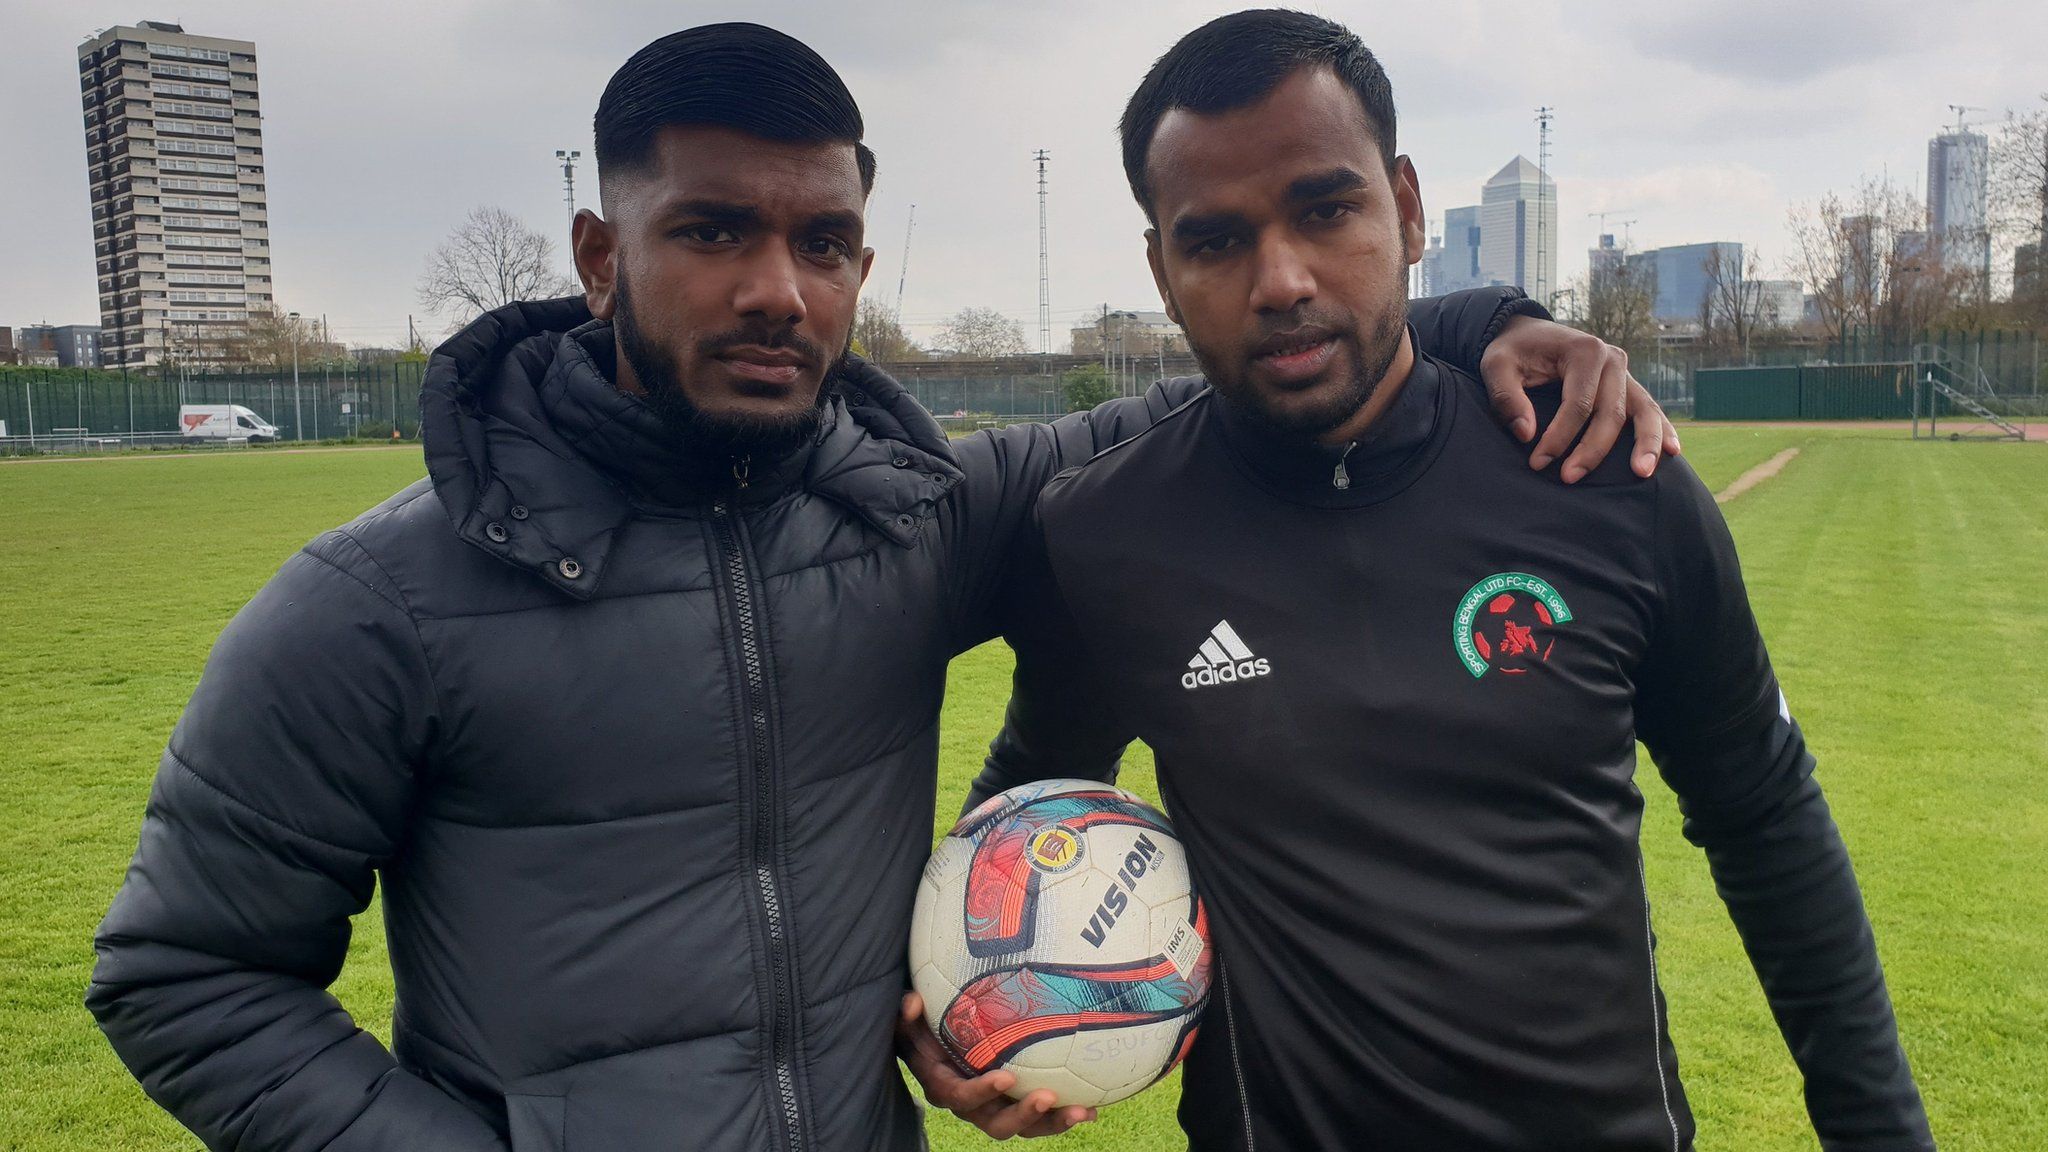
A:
x,y
903,273
1542,285
1044,272
568,159
298,415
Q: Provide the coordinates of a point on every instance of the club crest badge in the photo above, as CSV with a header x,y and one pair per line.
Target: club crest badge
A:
x,y
1508,623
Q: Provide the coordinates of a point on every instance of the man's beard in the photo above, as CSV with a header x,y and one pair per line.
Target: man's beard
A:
x,y
1373,352
714,435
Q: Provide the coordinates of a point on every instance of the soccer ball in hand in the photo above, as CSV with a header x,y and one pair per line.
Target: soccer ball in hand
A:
x,y
1057,935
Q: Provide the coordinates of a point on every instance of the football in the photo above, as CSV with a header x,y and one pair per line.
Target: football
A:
x,y
1057,934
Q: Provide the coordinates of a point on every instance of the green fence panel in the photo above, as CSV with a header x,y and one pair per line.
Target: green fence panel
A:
x,y
1856,392
1746,394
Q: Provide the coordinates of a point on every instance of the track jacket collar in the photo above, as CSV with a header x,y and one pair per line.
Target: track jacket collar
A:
x,y
1391,454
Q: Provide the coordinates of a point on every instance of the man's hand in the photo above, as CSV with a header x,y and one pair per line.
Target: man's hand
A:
x,y
1597,387
980,1101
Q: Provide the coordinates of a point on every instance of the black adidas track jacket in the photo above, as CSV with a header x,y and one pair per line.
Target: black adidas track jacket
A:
x,y
1394,694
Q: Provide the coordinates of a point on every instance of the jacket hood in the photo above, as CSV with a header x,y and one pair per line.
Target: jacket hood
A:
x,y
540,460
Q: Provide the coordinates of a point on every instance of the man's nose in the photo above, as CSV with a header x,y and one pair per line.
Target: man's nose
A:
x,y
1282,280
770,289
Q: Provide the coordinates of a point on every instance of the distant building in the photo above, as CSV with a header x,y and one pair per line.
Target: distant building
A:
x,y
1681,278
1518,230
1780,303
2030,271
1958,170
174,158
1130,333
74,345
9,354
1606,258
1457,260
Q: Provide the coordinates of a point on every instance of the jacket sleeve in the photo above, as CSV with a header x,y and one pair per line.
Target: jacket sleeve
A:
x,y
1005,468
1061,721
1710,710
1457,328
284,788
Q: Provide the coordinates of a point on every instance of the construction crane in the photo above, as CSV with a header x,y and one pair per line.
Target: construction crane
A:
x,y
1962,112
1602,217
903,274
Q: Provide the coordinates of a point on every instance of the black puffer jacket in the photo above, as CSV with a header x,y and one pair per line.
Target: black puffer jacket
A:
x,y
645,767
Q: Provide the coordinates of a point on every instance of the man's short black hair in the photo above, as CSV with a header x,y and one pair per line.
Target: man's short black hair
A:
x,y
743,76
1233,62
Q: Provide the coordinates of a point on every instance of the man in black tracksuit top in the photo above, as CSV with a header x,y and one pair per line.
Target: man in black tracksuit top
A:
x,y
1394,682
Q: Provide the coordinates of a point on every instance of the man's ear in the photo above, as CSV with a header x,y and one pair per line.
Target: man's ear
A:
x,y
595,245
867,264
1408,200
1157,260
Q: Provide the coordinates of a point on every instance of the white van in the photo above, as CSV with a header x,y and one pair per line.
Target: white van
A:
x,y
223,423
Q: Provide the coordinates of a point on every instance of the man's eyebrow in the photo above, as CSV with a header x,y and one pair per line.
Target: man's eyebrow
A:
x,y
1203,226
1321,184
709,210
842,221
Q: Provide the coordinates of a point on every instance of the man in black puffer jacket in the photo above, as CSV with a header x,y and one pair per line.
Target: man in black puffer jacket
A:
x,y
631,705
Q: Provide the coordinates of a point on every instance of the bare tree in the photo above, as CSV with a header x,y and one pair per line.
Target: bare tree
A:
x,y
490,260
1616,303
877,335
982,334
1872,264
1732,310
2018,198
272,334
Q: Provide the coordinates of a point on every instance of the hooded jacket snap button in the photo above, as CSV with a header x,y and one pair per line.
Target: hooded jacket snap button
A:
x,y
569,568
905,520
519,512
901,461
495,531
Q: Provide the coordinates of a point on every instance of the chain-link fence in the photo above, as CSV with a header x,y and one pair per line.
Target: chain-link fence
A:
x,y
59,409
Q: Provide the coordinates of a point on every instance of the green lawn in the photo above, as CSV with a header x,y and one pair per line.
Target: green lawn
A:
x,y
1893,579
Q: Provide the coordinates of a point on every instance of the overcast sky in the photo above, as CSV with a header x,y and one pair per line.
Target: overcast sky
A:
x,y
384,122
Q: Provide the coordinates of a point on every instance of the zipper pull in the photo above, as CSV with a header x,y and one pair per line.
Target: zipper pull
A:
x,y
740,468
1341,479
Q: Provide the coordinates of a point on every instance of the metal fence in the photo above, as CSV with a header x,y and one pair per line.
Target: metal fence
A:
x,y
2012,361
66,409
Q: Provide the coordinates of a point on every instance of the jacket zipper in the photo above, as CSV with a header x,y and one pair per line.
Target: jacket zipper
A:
x,y
1341,479
761,841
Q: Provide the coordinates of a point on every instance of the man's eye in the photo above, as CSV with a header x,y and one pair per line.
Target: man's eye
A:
x,y
1214,244
826,247
709,234
1331,211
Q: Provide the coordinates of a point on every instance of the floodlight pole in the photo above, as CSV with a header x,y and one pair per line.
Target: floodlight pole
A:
x,y
298,414
568,157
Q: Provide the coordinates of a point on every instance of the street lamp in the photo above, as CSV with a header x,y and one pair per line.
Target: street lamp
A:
x,y
298,416
568,159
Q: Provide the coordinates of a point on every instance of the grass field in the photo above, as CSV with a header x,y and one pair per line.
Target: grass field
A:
x,y
1895,582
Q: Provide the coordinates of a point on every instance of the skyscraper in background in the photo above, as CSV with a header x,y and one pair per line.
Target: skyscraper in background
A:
x,y
1958,171
1510,207
1683,277
1454,263
174,155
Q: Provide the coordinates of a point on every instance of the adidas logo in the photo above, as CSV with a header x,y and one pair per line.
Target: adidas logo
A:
x,y
1223,659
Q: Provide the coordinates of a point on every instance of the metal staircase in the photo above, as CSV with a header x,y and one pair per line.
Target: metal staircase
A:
x,y
1965,385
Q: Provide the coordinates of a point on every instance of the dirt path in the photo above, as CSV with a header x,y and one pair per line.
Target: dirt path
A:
x,y
1756,476
208,453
